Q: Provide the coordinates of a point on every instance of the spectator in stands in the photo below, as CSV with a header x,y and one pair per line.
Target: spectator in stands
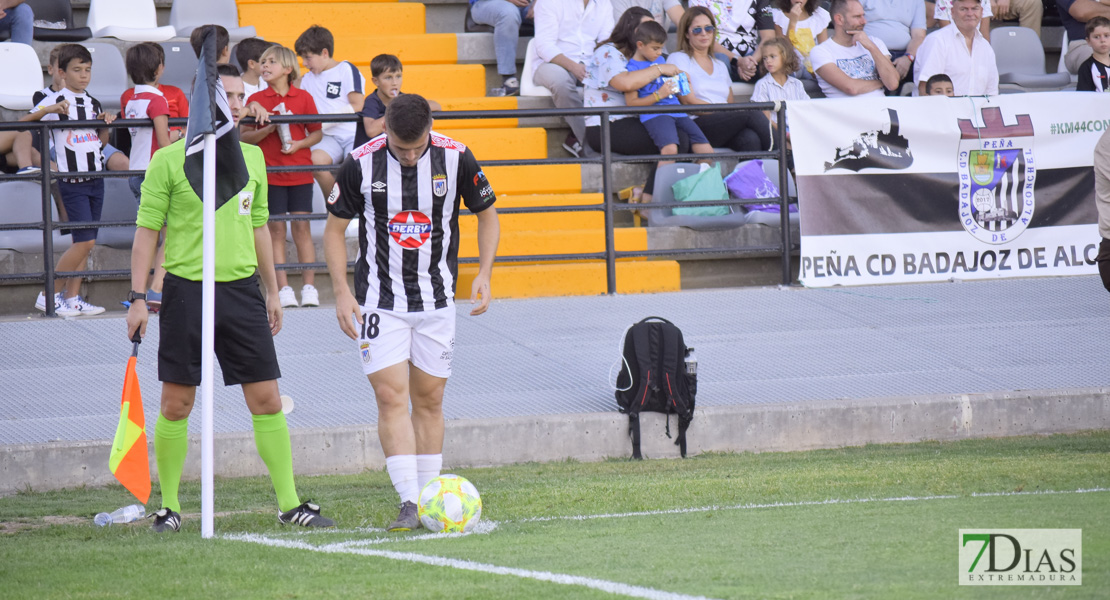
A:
x,y
740,130
567,32
1075,14
741,26
16,147
176,99
1027,13
18,20
145,63
505,16
851,63
939,85
901,26
385,74
287,145
960,51
780,60
607,80
337,89
942,16
660,9
804,23
57,84
248,53
223,51
1093,71
79,152
662,127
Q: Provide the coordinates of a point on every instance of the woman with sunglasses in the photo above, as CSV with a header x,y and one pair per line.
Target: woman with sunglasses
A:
x,y
608,78
739,130
741,26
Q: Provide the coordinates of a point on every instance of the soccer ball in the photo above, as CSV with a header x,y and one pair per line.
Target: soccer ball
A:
x,y
450,504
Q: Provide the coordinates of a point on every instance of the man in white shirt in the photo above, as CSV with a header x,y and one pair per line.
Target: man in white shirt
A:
x,y
961,52
567,32
850,63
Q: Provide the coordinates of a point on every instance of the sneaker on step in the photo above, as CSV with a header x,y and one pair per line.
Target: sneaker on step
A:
x,y
166,520
407,520
28,171
309,296
511,87
573,146
83,308
287,297
60,307
305,515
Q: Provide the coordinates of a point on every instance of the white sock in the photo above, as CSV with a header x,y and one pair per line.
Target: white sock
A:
x,y
427,468
402,472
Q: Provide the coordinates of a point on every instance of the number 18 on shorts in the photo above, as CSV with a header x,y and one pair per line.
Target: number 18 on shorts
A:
x,y
426,338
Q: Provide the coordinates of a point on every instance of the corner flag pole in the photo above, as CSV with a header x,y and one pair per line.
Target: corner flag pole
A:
x,y
208,338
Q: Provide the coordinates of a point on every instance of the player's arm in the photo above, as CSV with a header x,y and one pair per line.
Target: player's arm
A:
x,y
344,204
479,198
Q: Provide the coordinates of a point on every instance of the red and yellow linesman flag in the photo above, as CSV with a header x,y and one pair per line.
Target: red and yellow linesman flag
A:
x,y
129,461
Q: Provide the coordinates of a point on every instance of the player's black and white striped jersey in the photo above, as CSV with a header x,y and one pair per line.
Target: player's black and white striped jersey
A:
x,y
408,231
78,150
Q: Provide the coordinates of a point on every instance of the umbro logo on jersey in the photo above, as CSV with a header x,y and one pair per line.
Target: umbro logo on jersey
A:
x,y
410,228
378,186
333,90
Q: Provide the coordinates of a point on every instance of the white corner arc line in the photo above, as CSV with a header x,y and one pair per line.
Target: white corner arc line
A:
x,y
612,587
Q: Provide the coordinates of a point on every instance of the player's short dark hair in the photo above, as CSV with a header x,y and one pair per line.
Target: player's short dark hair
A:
x,y
197,38
250,49
839,7
71,52
1096,22
384,63
648,32
142,62
228,70
315,40
408,117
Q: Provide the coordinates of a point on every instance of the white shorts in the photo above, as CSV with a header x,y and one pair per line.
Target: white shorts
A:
x,y
426,338
336,147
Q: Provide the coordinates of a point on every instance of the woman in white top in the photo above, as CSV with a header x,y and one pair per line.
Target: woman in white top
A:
x,y
608,78
741,26
739,130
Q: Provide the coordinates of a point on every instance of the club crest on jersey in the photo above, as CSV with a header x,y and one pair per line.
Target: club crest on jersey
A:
x,y
997,174
364,350
439,185
410,228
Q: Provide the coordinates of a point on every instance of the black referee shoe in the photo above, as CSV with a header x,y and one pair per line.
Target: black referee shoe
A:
x,y
306,515
166,520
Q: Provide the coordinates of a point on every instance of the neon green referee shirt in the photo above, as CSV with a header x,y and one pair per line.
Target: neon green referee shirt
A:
x,y
168,197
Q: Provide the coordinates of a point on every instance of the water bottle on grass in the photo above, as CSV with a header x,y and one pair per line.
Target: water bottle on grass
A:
x,y
126,514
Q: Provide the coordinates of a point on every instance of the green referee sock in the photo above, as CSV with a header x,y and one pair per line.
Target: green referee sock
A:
x,y
271,435
171,443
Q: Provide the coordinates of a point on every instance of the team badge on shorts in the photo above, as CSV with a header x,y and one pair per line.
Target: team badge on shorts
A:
x,y
364,350
439,185
410,228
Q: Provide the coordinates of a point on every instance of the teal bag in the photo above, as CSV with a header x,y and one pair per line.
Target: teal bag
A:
x,y
704,185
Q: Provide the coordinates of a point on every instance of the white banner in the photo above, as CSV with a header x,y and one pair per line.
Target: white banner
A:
x,y
895,190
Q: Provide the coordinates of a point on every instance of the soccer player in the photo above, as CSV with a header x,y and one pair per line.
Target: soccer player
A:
x,y
245,322
405,275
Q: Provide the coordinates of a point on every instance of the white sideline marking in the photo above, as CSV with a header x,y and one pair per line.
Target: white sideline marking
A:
x,y
676,511
611,587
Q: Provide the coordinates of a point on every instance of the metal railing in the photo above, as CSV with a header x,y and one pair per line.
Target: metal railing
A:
x,y
606,159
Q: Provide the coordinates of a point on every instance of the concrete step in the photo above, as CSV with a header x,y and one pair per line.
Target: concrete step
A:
x,y
502,143
441,81
522,243
535,179
412,48
344,19
479,103
573,279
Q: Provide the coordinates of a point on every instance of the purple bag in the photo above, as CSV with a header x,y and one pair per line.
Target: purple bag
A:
x,y
748,180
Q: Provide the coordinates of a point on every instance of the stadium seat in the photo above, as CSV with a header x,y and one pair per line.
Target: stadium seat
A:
x,y
181,65
119,205
129,20
185,16
109,75
1020,59
21,73
59,14
665,177
21,202
527,86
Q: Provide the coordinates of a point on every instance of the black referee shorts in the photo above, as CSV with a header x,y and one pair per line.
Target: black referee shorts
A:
x,y
243,342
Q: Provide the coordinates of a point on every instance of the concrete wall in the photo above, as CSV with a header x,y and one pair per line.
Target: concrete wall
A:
x,y
597,436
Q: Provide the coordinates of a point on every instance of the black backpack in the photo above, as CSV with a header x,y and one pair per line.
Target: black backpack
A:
x,y
654,377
